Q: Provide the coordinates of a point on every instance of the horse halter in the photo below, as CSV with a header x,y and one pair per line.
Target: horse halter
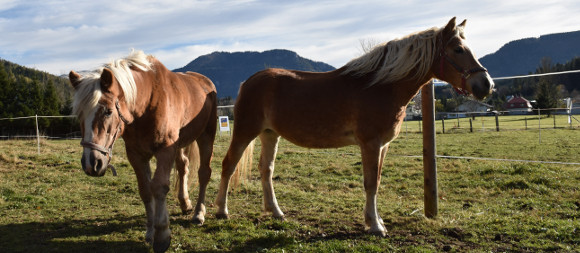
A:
x,y
108,151
465,73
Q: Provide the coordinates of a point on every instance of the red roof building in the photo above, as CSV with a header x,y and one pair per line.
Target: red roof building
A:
x,y
518,105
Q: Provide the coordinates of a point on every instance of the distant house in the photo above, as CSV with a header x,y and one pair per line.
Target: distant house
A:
x,y
518,105
473,106
412,113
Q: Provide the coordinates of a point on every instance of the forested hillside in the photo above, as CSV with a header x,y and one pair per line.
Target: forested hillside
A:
x,y
521,57
28,92
565,85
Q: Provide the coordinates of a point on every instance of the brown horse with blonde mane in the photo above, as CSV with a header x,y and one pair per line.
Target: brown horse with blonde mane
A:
x,y
362,103
158,113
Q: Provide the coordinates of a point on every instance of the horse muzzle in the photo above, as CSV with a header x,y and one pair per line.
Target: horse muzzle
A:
x,y
94,163
481,85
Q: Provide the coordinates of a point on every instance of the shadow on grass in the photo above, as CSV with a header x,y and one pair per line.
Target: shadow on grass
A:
x,y
94,235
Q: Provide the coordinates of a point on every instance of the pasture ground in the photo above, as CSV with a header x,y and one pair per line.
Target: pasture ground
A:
x,y
47,204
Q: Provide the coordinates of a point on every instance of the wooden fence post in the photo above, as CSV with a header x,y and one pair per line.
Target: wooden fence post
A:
x,y
470,126
429,160
539,127
37,135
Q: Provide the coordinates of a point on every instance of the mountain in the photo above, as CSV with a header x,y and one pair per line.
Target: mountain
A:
x,y
228,70
521,57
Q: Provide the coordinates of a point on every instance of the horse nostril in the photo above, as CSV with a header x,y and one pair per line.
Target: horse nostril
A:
x,y
98,166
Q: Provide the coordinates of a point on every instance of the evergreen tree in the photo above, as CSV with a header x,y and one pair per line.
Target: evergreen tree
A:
x,y
4,89
547,96
50,100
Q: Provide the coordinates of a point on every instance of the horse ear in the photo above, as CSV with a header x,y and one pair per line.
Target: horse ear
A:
x,y
450,26
74,78
462,25
106,79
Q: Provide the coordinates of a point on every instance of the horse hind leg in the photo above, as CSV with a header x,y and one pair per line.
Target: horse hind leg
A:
x,y
182,163
205,151
235,152
269,140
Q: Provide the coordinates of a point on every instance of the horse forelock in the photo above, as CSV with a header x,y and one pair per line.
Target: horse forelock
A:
x,y
88,92
394,60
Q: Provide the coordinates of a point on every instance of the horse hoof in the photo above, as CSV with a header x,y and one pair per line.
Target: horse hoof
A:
x,y
186,207
223,216
149,237
161,240
198,220
378,232
161,246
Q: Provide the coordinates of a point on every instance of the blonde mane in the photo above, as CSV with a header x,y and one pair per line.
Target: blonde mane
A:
x,y
89,91
396,59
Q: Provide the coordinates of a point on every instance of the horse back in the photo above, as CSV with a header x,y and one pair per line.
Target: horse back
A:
x,y
204,82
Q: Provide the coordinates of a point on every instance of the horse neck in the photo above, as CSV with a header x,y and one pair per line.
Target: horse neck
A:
x,y
143,80
406,89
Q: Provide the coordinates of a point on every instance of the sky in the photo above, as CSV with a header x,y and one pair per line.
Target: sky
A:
x,y
57,36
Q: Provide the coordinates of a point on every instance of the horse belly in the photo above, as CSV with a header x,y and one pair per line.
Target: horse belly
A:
x,y
311,133
321,141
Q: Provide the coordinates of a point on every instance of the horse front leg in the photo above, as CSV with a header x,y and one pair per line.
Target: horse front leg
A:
x,y
372,156
143,173
159,188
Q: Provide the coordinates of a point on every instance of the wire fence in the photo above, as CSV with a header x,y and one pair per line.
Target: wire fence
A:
x,y
458,122
471,122
449,126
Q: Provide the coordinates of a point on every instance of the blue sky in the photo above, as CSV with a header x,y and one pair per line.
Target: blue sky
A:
x,y
60,35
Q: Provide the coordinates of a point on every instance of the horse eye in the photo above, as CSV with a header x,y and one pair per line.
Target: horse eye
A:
x,y
108,112
459,50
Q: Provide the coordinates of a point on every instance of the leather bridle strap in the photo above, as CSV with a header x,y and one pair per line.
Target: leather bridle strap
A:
x,y
97,147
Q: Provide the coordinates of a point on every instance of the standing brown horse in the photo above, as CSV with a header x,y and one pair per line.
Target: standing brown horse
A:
x,y
362,103
158,113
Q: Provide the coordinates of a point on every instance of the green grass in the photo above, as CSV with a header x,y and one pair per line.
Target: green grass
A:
x,y
47,204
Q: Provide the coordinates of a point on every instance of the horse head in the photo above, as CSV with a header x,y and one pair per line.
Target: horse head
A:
x,y
456,64
102,122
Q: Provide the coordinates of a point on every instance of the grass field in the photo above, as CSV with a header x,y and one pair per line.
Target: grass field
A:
x,y
47,204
